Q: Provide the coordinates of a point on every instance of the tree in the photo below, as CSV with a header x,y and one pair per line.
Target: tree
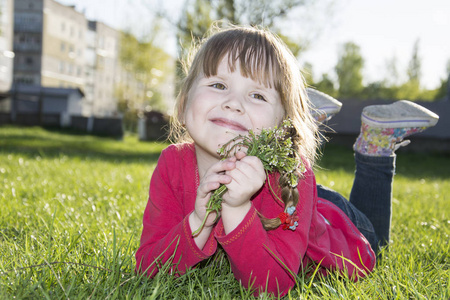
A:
x,y
380,90
411,88
200,14
392,74
414,68
386,88
349,71
443,91
326,85
191,28
145,67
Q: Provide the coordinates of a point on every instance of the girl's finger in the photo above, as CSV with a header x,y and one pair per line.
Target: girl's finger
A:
x,y
213,182
222,166
240,155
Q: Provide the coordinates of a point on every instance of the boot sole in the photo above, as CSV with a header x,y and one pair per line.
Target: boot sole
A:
x,y
402,113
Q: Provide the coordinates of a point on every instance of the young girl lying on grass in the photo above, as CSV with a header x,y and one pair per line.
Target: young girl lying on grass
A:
x,y
244,81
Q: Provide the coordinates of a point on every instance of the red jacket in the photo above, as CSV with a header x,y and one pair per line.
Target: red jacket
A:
x,y
325,235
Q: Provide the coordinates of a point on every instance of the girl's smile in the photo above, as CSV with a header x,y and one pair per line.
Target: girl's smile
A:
x,y
227,123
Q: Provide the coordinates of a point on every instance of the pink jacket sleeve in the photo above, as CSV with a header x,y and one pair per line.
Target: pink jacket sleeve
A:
x,y
166,234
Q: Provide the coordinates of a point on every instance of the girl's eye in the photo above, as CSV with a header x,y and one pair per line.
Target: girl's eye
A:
x,y
219,86
259,97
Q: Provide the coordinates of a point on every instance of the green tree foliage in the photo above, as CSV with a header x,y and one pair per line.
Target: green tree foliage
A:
x,y
191,28
411,88
145,67
392,87
443,91
379,90
326,85
386,88
199,15
414,69
392,72
257,12
349,71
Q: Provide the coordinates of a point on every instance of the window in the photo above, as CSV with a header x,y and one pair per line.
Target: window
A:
x,y
25,80
29,60
61,67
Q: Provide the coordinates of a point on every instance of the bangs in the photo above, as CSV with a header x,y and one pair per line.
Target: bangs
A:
x,y
255,53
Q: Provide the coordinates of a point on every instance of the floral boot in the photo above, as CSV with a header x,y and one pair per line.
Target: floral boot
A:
x,y
384,127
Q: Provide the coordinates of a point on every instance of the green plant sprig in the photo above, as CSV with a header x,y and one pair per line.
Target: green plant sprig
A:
x,y
272,146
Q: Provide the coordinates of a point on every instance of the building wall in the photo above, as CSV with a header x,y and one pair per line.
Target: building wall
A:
x,y
106,56
90,57
6,47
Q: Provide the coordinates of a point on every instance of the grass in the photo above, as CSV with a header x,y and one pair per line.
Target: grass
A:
x,y
71,211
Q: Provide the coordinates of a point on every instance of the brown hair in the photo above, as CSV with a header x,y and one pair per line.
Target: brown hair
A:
x,y
263,57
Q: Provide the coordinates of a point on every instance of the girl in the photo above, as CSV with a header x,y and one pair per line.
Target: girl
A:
x,y
242,79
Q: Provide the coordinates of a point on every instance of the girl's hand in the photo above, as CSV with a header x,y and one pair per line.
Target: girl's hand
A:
x,y
211,181
247,178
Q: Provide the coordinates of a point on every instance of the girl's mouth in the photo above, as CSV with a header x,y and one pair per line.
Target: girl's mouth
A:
x,y
229,124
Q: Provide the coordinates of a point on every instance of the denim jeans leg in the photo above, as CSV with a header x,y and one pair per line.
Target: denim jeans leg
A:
x,y
372,192
358,218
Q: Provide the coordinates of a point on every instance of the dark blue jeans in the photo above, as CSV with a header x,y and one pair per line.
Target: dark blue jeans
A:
x,y
370,202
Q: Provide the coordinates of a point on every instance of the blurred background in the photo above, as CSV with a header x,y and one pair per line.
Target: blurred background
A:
x,y
102,66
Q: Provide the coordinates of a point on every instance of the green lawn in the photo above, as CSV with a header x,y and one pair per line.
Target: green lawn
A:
x,y
71,209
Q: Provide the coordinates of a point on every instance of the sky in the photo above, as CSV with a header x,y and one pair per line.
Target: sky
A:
x,y
383,29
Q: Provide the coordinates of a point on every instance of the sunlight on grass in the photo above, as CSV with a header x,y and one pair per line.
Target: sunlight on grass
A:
x,y
71,214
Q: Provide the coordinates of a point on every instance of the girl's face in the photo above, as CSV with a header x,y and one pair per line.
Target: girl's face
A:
x,y
228,104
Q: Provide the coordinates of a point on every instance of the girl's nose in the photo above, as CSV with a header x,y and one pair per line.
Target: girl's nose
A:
x,y
233,103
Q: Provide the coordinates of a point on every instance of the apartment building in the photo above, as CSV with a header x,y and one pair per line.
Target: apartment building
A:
x,y
6,47
63,46
56,46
